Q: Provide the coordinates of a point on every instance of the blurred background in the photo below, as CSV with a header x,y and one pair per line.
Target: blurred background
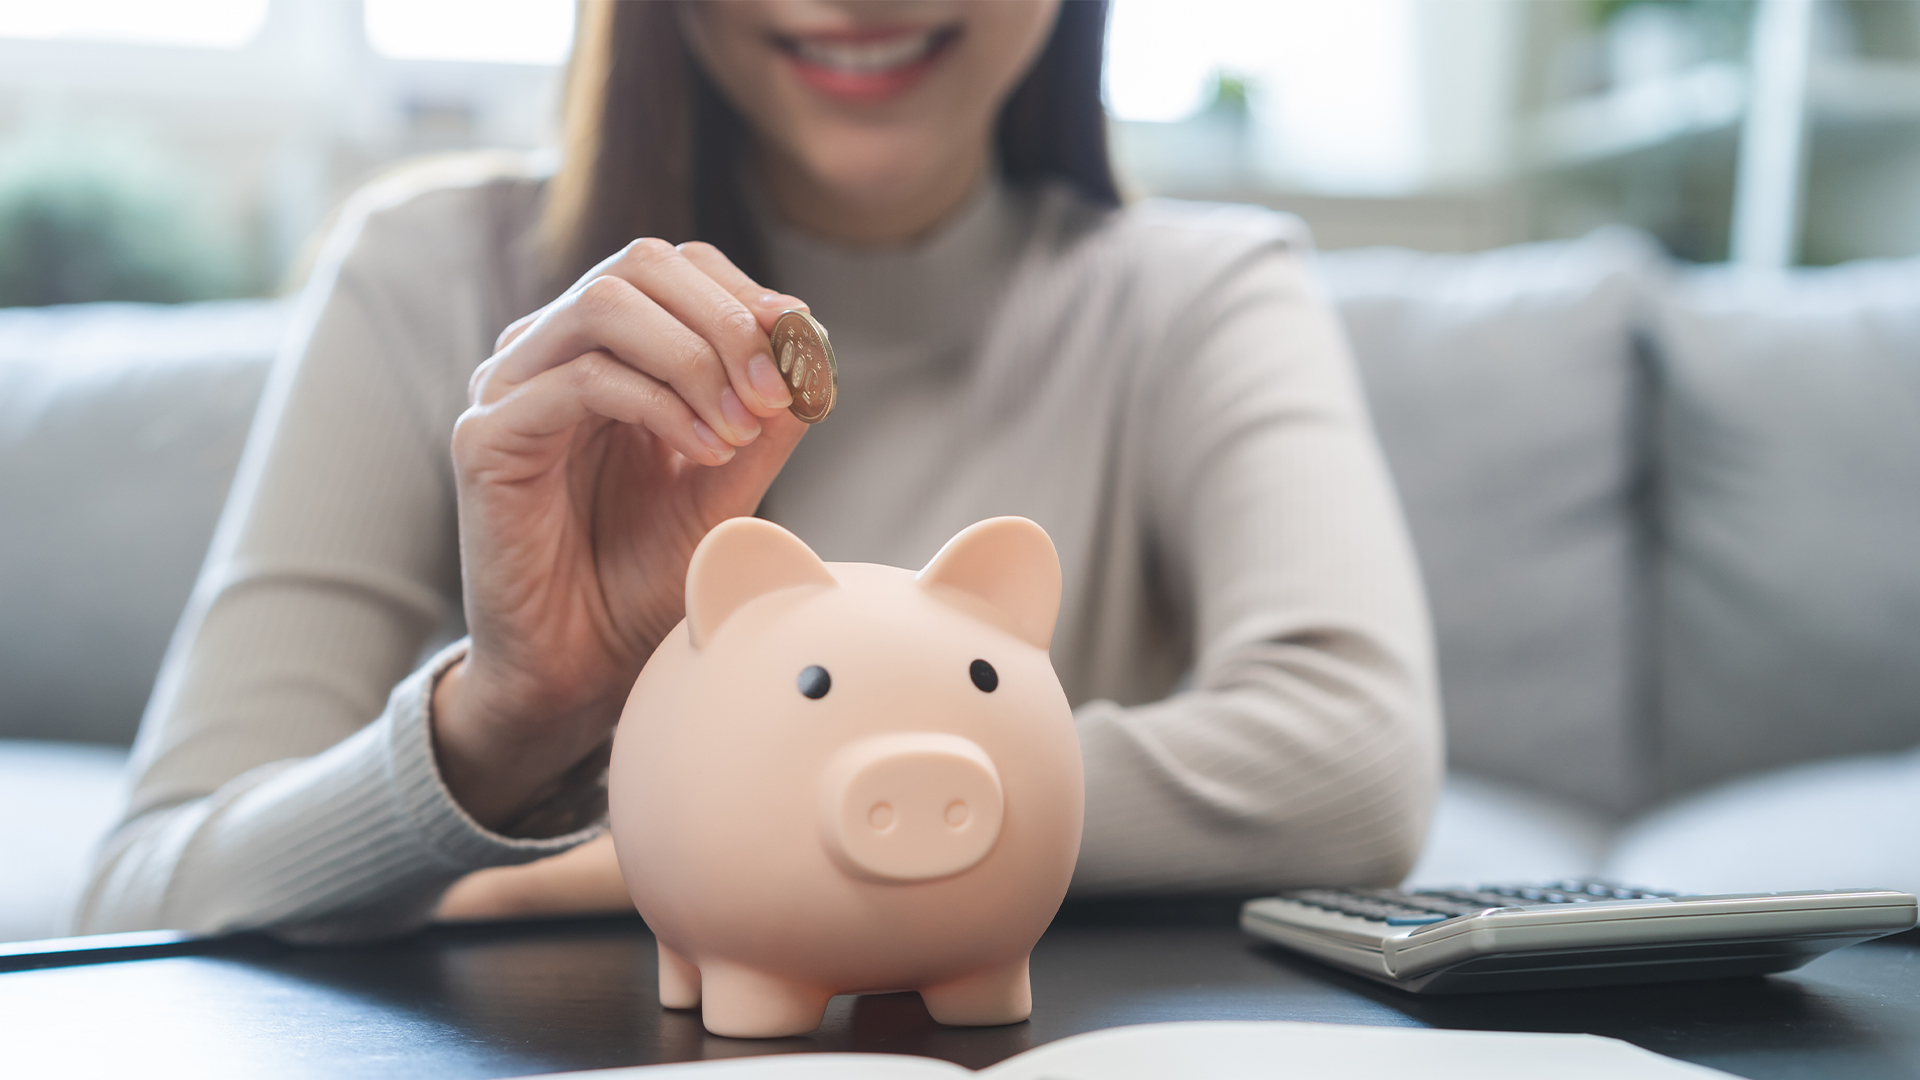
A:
x,y
190,149
1664,500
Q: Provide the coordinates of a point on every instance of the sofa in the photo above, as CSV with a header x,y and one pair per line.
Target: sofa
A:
x,y
1668,517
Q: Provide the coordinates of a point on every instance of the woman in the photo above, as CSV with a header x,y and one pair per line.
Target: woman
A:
x,y
1163,388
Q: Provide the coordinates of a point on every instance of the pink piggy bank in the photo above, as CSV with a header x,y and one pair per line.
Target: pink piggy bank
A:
x,y
851,778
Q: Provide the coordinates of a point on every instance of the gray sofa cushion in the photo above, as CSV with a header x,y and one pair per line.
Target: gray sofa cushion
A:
x,y
1505,389
1484,831
120,425
56,801
1835,824
1790,476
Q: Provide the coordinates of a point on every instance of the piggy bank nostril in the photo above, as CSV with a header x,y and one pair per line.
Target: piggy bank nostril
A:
x,y
880,817
957,813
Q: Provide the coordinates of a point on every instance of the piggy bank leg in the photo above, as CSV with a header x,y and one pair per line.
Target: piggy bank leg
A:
x,y
679,980
742,1003
996,996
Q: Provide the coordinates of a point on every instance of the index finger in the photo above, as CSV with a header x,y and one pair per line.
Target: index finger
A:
x,y
515,329
520,325
766,304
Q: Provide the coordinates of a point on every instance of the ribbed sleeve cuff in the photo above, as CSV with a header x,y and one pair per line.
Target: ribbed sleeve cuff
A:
x,y
423,796
362,840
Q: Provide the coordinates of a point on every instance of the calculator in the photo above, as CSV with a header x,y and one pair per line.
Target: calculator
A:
x,y
1568,933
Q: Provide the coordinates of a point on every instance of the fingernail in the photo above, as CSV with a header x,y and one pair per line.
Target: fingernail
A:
x,y
714,442
767,383
745,427
783,302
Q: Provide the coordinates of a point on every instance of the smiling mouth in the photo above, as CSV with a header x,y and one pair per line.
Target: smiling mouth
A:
x,y
866,65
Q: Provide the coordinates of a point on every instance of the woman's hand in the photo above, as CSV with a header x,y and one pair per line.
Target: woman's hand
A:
x,y
583,881
610,431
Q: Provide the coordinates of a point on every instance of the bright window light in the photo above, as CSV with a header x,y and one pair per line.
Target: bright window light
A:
x,y
476,31
1161,58
207,24
1342,96
1334,88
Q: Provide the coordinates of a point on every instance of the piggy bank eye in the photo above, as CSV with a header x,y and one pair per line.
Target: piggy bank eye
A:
x,y
984,676
815,682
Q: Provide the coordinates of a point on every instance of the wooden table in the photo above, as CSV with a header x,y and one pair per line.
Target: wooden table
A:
x,y
507,999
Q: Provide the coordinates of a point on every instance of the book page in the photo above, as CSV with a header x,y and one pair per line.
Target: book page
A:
x,y
1285,1050
1229,1050
786,1067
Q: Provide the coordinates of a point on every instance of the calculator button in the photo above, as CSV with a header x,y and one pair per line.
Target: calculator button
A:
x,y
1389,906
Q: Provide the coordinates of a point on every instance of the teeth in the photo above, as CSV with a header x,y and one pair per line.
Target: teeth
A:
x,y
865,57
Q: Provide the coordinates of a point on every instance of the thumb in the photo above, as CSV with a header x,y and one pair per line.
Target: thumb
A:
x,y
736,488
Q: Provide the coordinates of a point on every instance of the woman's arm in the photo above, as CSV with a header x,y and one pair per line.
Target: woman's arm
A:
x,y
1306,746
583,881
272,788
262,795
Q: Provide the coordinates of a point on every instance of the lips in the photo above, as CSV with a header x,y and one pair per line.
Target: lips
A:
x,y
866,65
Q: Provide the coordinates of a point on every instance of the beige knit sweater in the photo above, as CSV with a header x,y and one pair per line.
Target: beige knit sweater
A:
x,y
1163,388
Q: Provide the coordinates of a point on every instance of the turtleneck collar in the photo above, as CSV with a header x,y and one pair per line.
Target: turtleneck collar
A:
x,y
915,302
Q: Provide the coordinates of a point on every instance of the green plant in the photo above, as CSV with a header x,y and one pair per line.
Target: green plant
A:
x,y
1723,20
1231,92
86,218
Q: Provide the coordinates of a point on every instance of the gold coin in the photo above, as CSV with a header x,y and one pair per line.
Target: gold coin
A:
x,y
806,364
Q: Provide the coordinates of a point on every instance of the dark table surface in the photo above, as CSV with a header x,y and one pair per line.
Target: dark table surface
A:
x,y
509,999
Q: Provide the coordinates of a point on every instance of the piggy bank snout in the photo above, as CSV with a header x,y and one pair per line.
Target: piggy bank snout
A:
x,y
910,807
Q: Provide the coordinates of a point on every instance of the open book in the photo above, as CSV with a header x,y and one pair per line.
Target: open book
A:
x,y
1229,1050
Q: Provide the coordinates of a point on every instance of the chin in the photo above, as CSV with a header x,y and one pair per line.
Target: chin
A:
x,y
876,172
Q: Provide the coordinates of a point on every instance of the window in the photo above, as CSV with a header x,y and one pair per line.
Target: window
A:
x,y
1329,93
476,31
207,24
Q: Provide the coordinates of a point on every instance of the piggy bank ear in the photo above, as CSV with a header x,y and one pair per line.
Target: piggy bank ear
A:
x,y
1010,563
740,559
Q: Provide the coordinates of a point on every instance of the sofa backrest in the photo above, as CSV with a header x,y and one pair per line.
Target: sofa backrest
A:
x,y
1788,588
1653,569
120,426
1762,609
1508,397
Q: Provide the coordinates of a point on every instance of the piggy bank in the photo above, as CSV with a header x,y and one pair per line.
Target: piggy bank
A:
x,y
849,778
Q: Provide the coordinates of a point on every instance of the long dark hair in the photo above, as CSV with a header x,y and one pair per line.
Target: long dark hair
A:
x,y
651,148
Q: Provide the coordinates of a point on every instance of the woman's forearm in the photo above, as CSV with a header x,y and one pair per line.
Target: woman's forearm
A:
x,y
357,841
1297,769
1308,748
